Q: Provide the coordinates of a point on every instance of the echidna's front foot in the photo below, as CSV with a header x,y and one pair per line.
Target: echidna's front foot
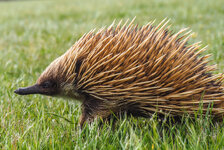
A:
x,y
85,118
92,111
88,119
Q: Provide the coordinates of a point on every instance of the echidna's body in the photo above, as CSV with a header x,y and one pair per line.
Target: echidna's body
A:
x,y
136,70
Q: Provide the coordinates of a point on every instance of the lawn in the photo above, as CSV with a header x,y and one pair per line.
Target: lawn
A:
x,y
34,33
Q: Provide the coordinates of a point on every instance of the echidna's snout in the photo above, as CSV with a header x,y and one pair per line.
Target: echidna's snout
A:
x,y
45,88
35,89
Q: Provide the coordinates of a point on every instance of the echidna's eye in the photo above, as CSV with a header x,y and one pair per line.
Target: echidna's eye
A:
x,y
46,84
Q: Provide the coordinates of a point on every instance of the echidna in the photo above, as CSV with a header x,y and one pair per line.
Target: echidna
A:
x,y
138,70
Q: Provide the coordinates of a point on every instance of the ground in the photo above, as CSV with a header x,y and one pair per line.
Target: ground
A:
x,y
33,33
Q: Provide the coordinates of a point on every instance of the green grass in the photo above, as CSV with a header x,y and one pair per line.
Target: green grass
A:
x,y
33,33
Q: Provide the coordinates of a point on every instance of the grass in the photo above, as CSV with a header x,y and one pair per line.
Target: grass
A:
x,y
33,33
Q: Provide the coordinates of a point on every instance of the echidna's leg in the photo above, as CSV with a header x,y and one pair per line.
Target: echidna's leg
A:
x,y
86,116
92,108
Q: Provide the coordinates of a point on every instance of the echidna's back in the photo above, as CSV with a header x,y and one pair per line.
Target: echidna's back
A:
x,y
149,67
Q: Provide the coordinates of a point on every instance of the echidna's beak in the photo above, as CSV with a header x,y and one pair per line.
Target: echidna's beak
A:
x,y
35,89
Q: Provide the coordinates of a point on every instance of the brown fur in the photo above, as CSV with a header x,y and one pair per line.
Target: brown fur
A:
x,y
137,70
